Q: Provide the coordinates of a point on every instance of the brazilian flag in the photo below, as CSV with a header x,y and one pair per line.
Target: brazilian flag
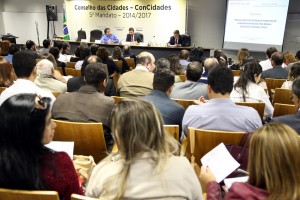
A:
x,y
66,31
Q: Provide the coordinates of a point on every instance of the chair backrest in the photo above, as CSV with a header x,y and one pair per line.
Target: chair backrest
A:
x,y
184,102
88,138
273,83
118,99
72,72
282,95
173,130
81,197
119,64
258,106
81,35
182,77
141,36
130,62
10,194
71,65
206,140
186,39
2,89
283,109
236,72
59,69
115,77
95,35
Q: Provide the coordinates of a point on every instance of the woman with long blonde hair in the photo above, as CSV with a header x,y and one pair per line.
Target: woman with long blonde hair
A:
x,y
144,166
273,166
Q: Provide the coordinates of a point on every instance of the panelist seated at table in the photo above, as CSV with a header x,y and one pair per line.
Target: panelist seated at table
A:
x,y
108,37
177,40
133,37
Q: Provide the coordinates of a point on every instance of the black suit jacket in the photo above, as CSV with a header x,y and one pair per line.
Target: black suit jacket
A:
x,y
136,38
292,120
180,41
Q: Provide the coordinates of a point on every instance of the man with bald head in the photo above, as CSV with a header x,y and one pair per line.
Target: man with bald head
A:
x,y
208,64
138,82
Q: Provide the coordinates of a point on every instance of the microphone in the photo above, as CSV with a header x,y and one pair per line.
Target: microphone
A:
x,y
151,41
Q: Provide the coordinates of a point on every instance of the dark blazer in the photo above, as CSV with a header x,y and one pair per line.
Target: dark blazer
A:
x,y
180,41
292,120
276,72
136,38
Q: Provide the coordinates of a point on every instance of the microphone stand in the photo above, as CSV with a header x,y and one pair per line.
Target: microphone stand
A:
x,y
37,32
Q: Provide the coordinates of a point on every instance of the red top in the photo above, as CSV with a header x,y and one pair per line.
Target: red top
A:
x,y
59,174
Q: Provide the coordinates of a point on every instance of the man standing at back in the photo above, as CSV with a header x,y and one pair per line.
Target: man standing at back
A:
x,y
277,71
138,82
24,65
220,113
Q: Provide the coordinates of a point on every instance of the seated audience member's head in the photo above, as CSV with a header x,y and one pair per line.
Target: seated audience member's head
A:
x,y
270,51
163,63
95,74
77,51
126,48
65,47
294,71
24,65
217,53
163,80
55,52
103,54
58,44
175,65
289,57
296,93
273,164
249,59
210,63
220,82
94,48
241,55
27,119
297,56
277,59
30,45
7,74
13,48
47,43
194,71
50,57
117,53
84,52
147,60
4,45
89,60
45,67
196,54
184,54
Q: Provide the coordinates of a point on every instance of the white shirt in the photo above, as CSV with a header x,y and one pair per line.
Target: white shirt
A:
x,y
255,94
287,85
24,86
141,67
78,64
266,64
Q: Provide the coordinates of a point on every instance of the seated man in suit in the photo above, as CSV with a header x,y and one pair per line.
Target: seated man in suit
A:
x,y
292,120
108,37
220,113
31,47
133,37
163,84
176,40
138,82
277,71
191,89
88,104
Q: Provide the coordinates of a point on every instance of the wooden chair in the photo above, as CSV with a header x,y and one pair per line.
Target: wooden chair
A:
x,y
72,72
2,89
118,99
71,65
272,84
184,102
283,96
81,197
119,64
206,140
115,77
59,69
258,106
173,130
10,194
182,77
88,138
236,72
283,109
56,94
130,62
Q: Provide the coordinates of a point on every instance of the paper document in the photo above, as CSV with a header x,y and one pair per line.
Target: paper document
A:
x,y
67,147
228,181
220,162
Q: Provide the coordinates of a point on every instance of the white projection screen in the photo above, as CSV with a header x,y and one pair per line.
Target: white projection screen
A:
x,y
255,24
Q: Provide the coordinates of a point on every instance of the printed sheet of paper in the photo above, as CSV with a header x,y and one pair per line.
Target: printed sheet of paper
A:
x,y
228,181
67,147
220,162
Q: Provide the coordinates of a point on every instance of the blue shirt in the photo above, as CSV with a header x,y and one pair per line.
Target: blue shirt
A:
x,y
112,37
9,58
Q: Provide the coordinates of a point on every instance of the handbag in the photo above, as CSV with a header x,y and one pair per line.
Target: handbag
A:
x,y
83,166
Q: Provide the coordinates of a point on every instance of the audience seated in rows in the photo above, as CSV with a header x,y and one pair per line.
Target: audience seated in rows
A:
x,y
162,63
7,73
163,84
103,54
127,52
76,55
196,54
297,60
208,64
118,55
24,65
88,104
220,112
246,89
13,48
294,119
46,47
57,75
55,52
191,88
138,82
46,79
266,64
84,52
273,167
94,49
221,57
65,48
294,72
31,48
241,55
176,67
288,57
144,167
277,71
183,58
25,163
